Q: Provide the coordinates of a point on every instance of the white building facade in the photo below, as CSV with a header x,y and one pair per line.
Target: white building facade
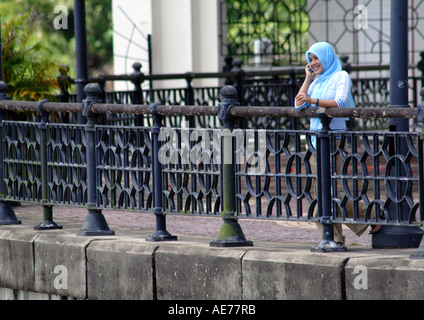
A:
x,y
184,36
190,35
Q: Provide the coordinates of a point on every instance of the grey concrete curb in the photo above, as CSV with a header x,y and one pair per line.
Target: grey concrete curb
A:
x,y
127,267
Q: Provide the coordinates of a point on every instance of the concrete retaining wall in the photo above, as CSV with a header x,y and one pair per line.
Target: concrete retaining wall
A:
x,y
53,265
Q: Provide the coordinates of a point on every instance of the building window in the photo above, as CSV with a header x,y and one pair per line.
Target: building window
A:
x,y
265,31
278,32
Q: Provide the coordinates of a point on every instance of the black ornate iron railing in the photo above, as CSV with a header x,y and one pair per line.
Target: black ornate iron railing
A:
x,y
227,172
266,88
124,167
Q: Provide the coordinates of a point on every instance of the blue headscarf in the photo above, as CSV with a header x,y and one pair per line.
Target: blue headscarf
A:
x,y
331,65
330,62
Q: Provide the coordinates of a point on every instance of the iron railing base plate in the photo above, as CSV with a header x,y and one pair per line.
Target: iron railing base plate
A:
x,y
417,255
48,225
328,246
88,233
10,222
231,235
95,225
226,244
161,237
7,215
397,237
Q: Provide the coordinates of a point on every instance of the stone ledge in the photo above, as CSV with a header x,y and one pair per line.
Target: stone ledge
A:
x,y
292,276
125,266
17,259
200,273
61,264
392,277
120,269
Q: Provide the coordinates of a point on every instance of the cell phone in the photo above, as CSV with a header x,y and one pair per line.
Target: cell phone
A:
x,y
310,69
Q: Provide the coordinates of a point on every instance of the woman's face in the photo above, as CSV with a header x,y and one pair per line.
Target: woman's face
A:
x,y
315,64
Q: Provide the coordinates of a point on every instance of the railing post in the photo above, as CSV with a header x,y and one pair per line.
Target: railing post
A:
x,y
63,81
392,236
346,66
7,215
230,234
95,223
81,51
292,94
324,182
138,94
239,85
48,222
239,81
161,234
227,68
189,97
419,254
420,66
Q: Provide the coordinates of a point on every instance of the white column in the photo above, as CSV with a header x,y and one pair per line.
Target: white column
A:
x,y
132,22
185,37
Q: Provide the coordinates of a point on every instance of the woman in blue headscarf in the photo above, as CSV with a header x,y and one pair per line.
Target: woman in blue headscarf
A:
x,y
327,85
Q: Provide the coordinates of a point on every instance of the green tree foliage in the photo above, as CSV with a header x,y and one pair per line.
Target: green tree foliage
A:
x,y
283,22
27,69
60,43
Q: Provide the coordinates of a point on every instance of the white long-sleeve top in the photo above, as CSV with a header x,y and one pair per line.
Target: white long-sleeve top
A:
x,y
339,89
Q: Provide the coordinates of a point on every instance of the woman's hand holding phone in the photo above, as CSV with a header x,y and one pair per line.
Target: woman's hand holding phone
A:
x,y
309,71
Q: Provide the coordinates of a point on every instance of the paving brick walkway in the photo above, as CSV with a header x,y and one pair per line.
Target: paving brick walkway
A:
x,y
254,230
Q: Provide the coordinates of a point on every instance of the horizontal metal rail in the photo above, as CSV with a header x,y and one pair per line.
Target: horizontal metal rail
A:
x,y
51,107
235,111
